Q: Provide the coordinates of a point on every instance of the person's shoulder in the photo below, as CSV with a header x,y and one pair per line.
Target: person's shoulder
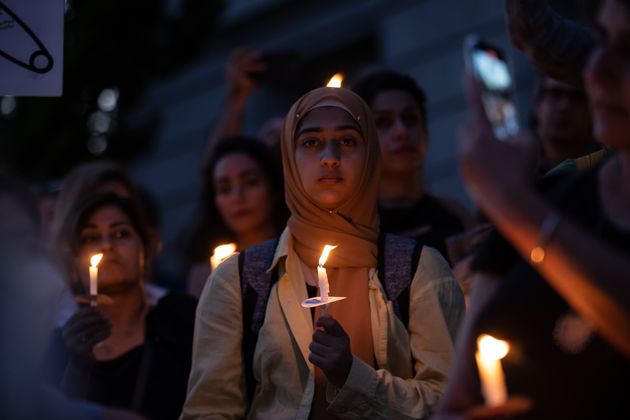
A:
x,y
573,192
432,260
228,268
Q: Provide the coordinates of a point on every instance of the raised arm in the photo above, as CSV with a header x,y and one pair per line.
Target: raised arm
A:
x,y
589,274
240,85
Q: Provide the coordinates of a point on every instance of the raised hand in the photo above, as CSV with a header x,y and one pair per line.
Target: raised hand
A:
x,y
242,64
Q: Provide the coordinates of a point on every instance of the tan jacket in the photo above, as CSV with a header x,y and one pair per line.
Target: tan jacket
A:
x,y
412,367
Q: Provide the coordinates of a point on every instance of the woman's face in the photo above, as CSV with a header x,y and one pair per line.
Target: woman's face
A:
x,y
243,193
607,76
330,153
109,230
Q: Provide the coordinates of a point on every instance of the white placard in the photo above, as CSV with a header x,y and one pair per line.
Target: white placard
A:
x,y
31,47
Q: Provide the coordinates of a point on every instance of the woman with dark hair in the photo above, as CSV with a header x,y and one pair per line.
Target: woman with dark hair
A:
x,y
242,202
31,290
88,178
124,352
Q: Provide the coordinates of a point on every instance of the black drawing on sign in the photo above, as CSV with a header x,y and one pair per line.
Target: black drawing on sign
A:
x,y
40,61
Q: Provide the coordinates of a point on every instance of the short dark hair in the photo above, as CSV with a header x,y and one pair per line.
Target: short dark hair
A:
x,y
371,84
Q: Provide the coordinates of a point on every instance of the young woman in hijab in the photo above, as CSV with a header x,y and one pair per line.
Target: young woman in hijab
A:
x,y
374,366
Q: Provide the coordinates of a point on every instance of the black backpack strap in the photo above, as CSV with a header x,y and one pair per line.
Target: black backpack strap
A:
x,y
398,260
253,264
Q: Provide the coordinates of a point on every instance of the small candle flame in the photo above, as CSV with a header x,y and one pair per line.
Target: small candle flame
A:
x,y
335,81
96,259
325,252
492,349
221,253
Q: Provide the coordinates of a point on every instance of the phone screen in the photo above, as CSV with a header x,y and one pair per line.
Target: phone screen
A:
x,y
493,70
490,67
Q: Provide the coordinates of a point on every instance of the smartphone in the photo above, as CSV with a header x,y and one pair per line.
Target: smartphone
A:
x,y
489,65
283,68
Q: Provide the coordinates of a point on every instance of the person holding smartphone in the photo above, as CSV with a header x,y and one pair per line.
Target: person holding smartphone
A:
x,y
555,286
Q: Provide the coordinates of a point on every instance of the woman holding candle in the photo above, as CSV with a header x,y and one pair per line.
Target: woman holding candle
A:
x,y
560,295
123,352
360,361
241,202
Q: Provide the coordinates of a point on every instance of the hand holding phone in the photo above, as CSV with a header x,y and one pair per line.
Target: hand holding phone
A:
x,y
490,67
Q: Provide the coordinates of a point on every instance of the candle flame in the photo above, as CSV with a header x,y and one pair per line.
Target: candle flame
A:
x,y
221,253
335,81
325,252
492,349
96,259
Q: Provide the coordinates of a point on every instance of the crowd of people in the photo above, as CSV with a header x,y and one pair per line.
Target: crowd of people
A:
x,y
540,267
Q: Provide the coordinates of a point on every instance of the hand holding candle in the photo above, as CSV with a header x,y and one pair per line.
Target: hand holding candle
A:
x,y
94,261
490,351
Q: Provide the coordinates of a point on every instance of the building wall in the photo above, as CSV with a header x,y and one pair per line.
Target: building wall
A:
x,y
422,38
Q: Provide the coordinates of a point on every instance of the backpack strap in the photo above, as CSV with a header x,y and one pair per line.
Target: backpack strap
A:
x,y
256,283
398,260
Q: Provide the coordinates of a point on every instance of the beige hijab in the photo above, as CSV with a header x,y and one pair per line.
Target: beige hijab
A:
x,y
353,226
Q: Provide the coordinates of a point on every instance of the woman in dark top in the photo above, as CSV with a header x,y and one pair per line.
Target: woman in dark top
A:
x,y
121,353
560,292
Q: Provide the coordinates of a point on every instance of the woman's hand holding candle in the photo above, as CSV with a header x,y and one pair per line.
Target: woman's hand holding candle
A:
x,y
330,350
86,328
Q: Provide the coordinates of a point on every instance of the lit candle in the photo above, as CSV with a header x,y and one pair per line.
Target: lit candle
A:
x,y
221,253
490,351
94,261
322,284
335,81
322,277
